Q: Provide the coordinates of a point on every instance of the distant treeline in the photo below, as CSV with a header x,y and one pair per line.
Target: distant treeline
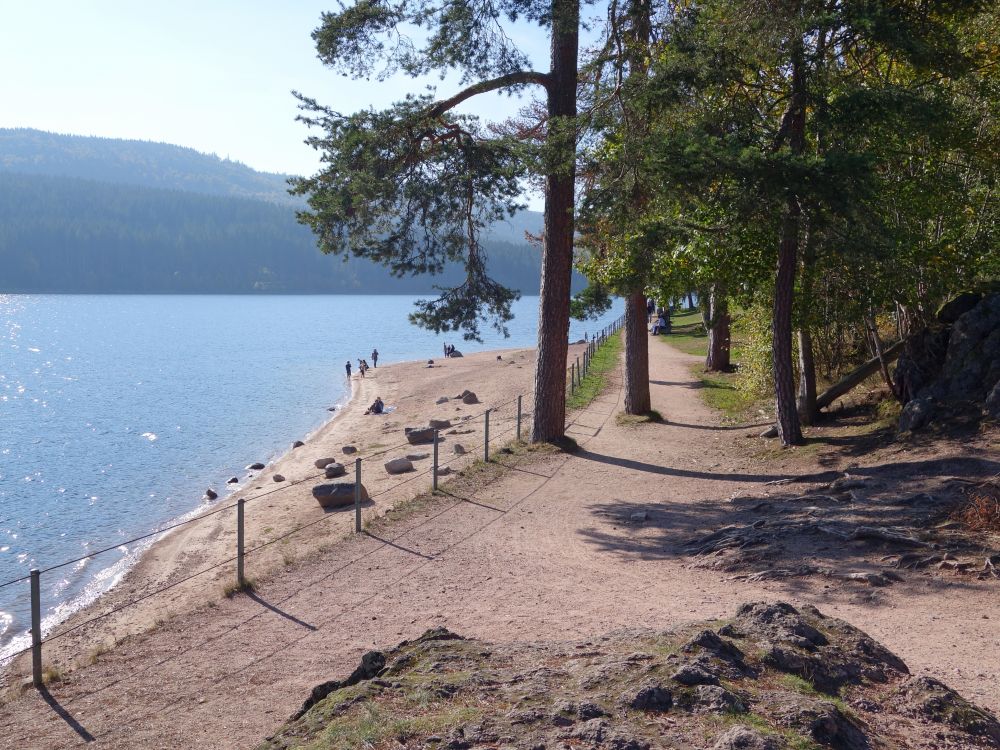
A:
x,y
64,234
143,163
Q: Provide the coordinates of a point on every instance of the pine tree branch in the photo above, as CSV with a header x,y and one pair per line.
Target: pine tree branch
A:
x,y
483,87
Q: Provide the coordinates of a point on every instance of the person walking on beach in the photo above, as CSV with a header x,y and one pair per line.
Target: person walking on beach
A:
x,y
374,357
348,368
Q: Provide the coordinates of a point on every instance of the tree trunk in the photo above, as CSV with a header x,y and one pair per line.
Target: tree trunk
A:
x,y
636,355
880,356
806,403
549,415
718,331
793,124
858,376
690,301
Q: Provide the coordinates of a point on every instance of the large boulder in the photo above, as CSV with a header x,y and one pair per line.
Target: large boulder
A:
x,y
958,306
337,494
322,463
468,397
399,466
916,414
419,435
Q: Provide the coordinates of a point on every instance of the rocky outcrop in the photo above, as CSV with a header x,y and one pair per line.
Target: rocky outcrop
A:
x,y
773,677
954,365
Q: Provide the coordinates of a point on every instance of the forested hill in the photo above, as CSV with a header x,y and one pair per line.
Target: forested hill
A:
x,y
60,234
83,214
144,163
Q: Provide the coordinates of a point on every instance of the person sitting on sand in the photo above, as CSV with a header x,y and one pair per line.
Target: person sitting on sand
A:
x,y
377,406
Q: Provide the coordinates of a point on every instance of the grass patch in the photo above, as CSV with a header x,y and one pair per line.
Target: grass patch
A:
x,y
632,420
233,588
718,390
687,333
53,673
605,360
372,725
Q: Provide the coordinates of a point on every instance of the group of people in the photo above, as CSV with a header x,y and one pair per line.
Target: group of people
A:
x,y
362,364
449,349
662,322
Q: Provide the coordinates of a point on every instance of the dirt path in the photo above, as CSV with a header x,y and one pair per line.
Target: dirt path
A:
x,y
547,551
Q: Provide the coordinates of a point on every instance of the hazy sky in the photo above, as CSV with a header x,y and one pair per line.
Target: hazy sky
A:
x,y
215,75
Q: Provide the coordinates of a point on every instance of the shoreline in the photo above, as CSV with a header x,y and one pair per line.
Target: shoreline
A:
x,y
195,562
121,569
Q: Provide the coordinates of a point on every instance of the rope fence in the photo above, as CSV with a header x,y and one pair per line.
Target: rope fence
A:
x,y
498,423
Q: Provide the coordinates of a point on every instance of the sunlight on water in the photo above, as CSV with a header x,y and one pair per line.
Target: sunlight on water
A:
x,y
118,412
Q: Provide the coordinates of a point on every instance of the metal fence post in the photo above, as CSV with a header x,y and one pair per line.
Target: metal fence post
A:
x,y
486,440
579,377
240,578
357,496
434,471
519,419
572,380
36,628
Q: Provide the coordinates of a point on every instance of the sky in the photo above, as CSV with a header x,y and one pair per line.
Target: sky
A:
x,y
214,75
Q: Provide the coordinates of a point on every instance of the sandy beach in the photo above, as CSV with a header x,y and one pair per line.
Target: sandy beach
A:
x,y
283,522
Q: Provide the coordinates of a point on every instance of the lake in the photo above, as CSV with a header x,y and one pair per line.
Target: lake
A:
x,y
118,411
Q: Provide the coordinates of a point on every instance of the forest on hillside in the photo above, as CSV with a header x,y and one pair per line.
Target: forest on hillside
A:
x,y
60,234
131,162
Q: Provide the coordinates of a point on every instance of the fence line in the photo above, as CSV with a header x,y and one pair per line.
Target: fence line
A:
x,y
576,371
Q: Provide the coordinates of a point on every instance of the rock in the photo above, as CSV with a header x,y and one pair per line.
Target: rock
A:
x,y
442,400
398,466
788,643
770,432
440,424
321,463
468,397
821,721
930,699
255,466
652,697
692,674
717,700
744,738
638,516
334,470
587,710
278,478
337,494
419,435
958,306
916,414
297,444
455,353
233,480
458,449
417,456
211,494
349,450
444,471
993,402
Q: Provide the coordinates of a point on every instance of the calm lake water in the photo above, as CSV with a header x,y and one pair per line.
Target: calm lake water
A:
x,y
116,412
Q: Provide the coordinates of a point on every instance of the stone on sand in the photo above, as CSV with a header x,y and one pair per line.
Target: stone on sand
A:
x,y
398,466
337,494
